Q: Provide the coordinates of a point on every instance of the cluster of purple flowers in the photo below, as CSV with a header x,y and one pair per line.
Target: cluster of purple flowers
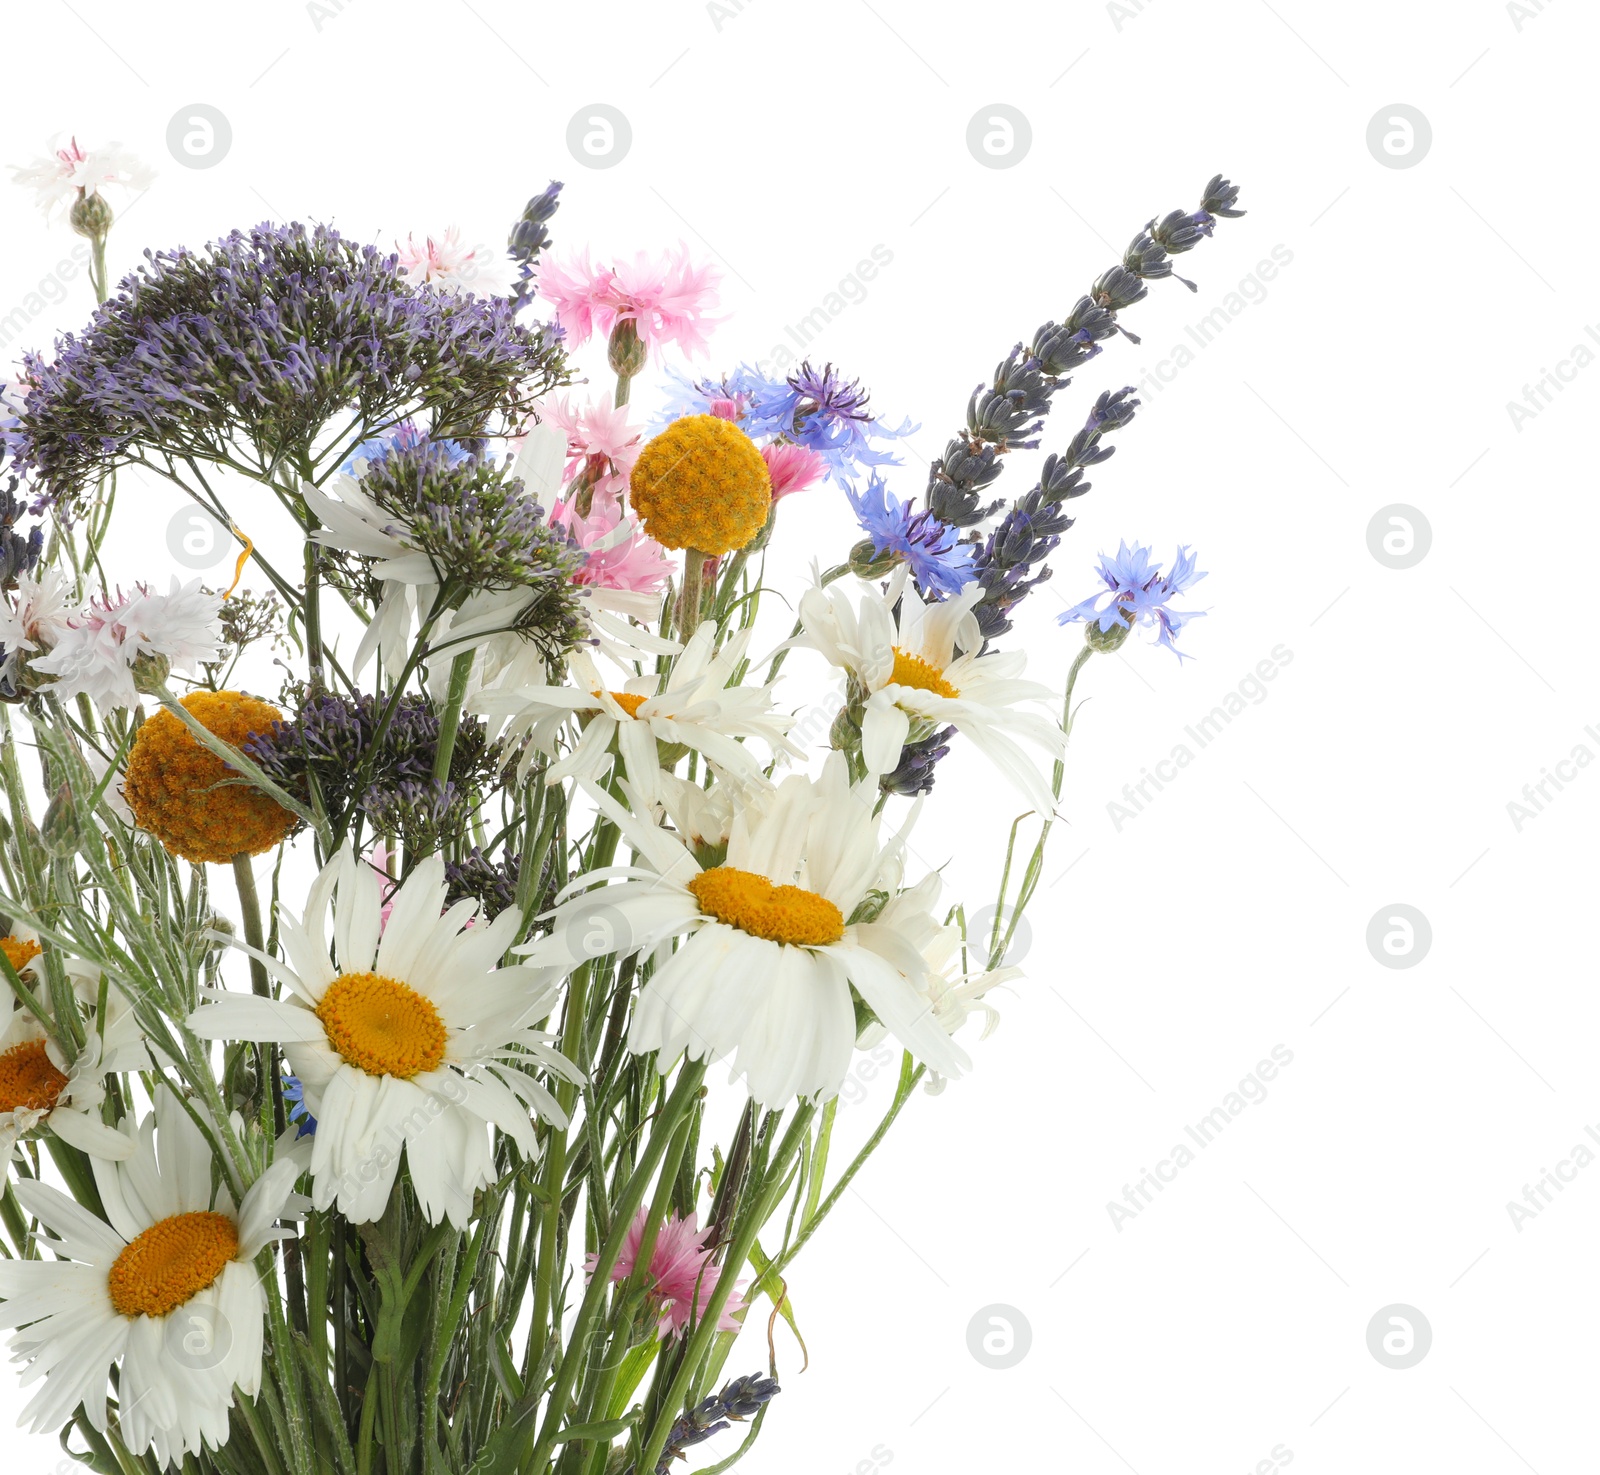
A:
x,y
341,756
251,351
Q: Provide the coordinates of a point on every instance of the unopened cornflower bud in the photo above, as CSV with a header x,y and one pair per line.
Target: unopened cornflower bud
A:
x,y
61,831
867,563
626,352
91,216
150,672
1105,641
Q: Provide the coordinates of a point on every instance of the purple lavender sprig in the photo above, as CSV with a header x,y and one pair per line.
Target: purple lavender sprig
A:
x,y
529,237
1009,413
1011,562
741,1399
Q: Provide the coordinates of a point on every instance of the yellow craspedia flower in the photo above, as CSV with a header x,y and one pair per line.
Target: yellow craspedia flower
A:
x,y
175,787
702,484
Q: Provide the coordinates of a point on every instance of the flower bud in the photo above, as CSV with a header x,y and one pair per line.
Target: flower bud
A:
x,y
845,734
91,216
868,563
150,673
625,352
61,831
1105,641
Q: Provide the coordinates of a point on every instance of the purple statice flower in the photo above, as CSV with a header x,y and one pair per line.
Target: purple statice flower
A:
x,y
816,408
939,563
1137,592
277,349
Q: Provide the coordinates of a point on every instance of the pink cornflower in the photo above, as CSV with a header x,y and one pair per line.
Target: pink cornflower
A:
x,y
70,171
617,552
116,648
380,861
681,1277
602,444
665,297
792,468
453,267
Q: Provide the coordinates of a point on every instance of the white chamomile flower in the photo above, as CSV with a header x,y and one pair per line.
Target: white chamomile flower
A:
x,y
70,171
167,1287
704,817
695,708
770,955
920,668
414,1039
40,1088
953,995
114,649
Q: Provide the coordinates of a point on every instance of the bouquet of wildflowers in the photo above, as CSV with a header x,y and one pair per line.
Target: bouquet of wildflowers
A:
x,y
431,1067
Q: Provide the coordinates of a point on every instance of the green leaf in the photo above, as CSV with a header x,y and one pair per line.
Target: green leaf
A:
x,y
603,1432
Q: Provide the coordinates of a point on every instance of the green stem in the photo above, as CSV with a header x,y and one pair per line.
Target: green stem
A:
x,y
691,595
684,1093
749,1226
450,719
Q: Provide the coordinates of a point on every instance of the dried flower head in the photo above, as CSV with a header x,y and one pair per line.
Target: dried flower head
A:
x,y
702,484
188,798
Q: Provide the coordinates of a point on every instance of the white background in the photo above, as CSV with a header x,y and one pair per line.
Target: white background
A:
x,y
1169,953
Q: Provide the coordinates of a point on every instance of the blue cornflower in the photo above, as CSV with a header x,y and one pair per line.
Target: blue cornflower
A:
x,y
815,408
295,1093
939,563
1138,593
406,436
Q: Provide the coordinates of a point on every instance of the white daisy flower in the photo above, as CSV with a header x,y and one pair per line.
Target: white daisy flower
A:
x,y
114,649
70,171
413,1040
39,1087
166,1286
953,995
704,817
770,954
695,708
921,670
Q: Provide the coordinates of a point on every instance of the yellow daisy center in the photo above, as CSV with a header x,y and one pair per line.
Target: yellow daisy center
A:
x,y
753,904
910,670
18,952
627,701
381,1025
171,1262
28,1079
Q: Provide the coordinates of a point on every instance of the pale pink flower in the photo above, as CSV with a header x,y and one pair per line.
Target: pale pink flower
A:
x,y
666,298
681,1276
69,171
617,552
792,468
380,860
113,648
602,444
451,266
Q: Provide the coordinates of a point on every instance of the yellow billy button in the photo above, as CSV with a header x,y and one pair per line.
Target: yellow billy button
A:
x,y
915,672
171,1262
382,1026
788,914
28,1080
701,484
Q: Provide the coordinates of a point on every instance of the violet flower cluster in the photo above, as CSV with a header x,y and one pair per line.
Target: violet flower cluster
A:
x,y
259,350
